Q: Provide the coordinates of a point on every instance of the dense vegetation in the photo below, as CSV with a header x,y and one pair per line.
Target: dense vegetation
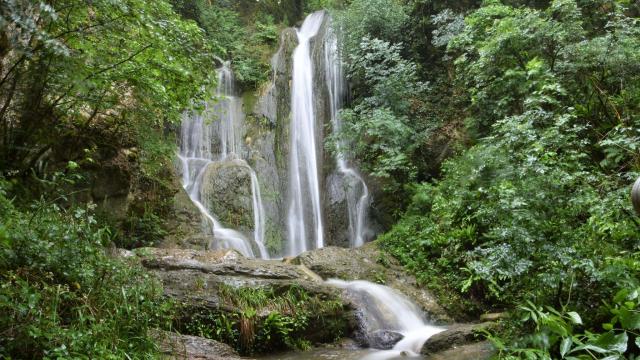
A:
x,y
535,107
62,296
504,134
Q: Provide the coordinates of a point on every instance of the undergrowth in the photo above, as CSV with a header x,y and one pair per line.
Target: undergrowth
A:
x,y
62,296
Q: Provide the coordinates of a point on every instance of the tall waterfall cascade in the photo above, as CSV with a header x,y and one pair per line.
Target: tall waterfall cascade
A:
x,y
196,154
385,309
307,205
357,192
304,217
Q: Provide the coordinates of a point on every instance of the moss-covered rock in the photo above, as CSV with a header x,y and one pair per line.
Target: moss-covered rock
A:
x,y
226,191
253,305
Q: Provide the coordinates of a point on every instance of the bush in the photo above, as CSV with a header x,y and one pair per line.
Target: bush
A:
x,y
61,296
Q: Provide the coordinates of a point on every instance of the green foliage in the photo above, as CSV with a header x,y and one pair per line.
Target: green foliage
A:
x,y
62,297
560,334
247,40
538,208
378,19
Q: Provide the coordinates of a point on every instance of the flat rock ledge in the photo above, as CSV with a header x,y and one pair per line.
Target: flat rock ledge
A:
x,y
460,342
174,346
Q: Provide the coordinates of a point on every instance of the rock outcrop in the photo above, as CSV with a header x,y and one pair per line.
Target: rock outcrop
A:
x,y
187,228
371,264
383,339
206,284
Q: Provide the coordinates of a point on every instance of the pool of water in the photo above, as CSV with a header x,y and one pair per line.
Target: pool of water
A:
x,y
339,354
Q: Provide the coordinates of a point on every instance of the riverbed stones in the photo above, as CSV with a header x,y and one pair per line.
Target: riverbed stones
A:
x,y
174,346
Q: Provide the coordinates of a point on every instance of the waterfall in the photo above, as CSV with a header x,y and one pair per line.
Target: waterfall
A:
x,y
386,309
258,215
228,109
196,155
304,218
357,193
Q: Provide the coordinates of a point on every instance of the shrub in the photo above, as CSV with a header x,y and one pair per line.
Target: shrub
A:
x,y
61,296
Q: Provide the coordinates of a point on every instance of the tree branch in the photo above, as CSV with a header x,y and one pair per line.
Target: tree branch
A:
x,y
111,67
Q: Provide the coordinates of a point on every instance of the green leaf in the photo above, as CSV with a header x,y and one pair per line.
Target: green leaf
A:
x,y
629,319
575,318
613,342
565,346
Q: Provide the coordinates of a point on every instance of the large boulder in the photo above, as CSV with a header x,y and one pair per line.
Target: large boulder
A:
x,y
226,192
455,336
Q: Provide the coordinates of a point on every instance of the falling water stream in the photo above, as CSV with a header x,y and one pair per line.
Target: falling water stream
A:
x,y
304,218
385,309
357,193
196,155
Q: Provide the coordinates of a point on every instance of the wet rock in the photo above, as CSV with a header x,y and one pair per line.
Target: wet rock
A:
x,y
226,190
267,139
477,351
336,211
187,229
371,264
456,335
182,347
383,339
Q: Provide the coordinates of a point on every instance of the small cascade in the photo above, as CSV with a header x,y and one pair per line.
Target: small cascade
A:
x,y
385,309
304,217
259,222
196,155
357,193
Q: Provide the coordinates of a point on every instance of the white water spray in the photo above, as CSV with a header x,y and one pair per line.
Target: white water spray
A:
x,y
358,199
386,309
196,156
304,218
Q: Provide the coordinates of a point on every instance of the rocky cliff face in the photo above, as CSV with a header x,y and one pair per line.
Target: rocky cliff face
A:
x,y
263,133
272,146
267,140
